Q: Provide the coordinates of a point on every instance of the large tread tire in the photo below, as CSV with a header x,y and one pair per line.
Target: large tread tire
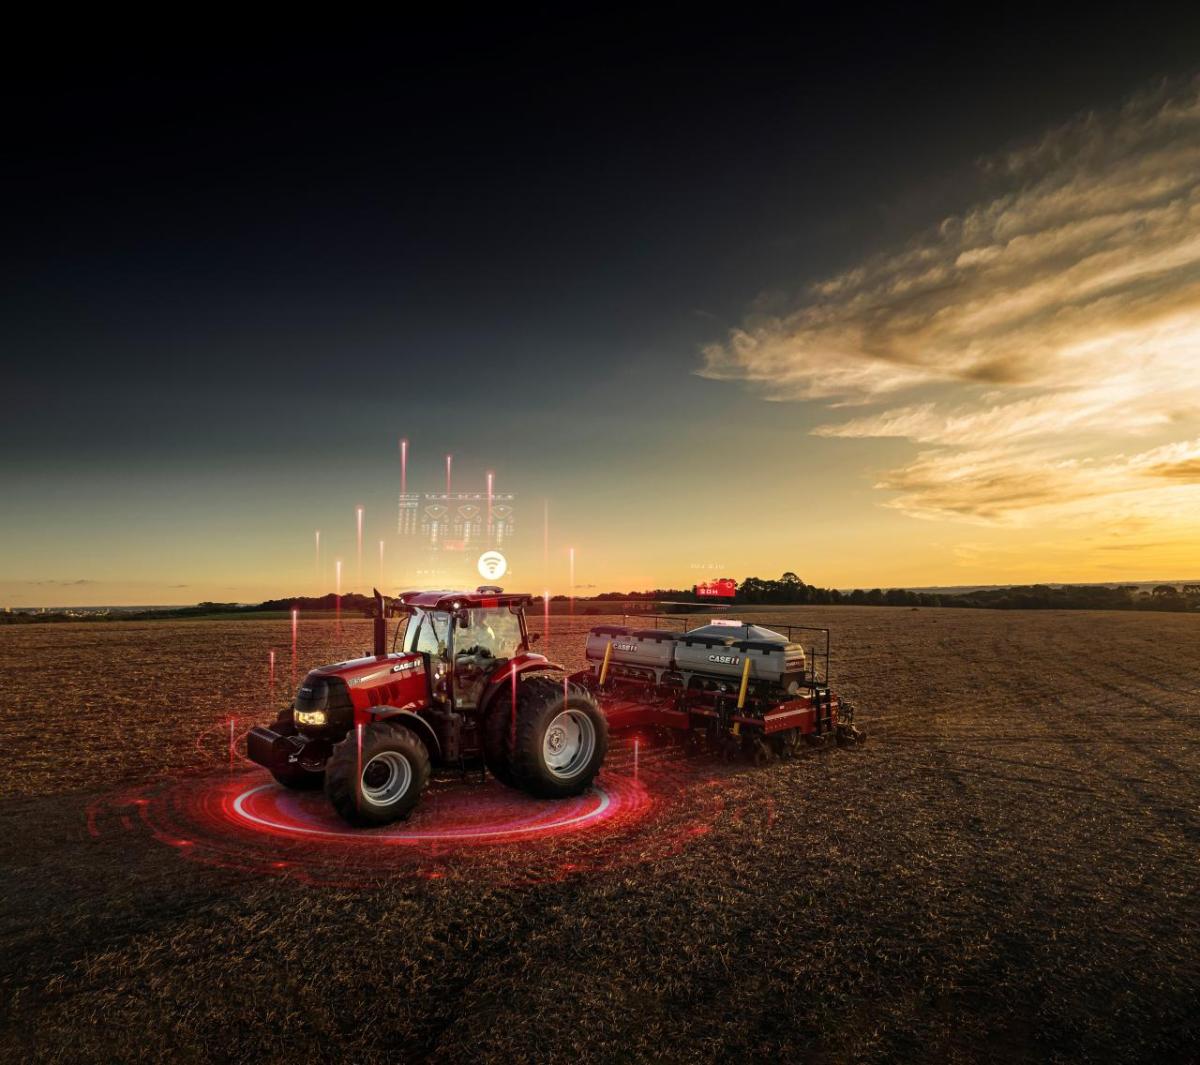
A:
x,y
345,772
541,700
497,726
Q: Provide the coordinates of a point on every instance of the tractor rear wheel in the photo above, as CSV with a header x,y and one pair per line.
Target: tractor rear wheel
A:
x,y
380,780
497,726
561,739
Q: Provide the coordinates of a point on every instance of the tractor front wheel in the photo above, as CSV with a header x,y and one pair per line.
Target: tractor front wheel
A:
x,y
561,739
378,779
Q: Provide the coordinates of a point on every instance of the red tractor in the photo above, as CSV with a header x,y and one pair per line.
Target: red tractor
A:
x,y
459,684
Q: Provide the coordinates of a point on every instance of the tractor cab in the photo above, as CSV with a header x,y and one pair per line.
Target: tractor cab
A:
x,y
467,637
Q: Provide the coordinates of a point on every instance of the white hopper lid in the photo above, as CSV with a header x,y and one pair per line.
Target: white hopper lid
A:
x,y
723,630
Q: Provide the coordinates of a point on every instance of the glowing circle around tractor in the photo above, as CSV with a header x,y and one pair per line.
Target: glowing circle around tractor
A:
x,y
653,801
456,818
492,565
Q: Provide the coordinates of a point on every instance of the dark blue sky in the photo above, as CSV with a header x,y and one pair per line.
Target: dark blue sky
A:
x,y
265,262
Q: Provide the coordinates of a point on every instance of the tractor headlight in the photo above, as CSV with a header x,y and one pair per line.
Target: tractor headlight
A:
x,y
310,717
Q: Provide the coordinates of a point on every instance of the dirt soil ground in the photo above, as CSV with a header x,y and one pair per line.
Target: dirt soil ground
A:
x,y
1006,872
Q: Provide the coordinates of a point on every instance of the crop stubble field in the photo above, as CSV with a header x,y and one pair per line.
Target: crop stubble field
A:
x,y
1007,871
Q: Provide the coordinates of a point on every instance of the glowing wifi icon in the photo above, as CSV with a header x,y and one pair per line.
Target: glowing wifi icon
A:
x,y
492,565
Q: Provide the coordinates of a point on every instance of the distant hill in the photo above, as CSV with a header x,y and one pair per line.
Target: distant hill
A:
x,y
326,604
1177,596
966,589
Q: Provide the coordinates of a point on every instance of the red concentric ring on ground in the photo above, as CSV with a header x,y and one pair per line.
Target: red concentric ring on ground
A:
x,y
448,816
466,828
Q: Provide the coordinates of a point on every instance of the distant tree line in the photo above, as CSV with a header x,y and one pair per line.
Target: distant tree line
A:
x,y
788,590
791,589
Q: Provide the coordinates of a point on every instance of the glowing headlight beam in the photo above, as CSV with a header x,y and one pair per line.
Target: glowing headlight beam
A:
x,y
310,717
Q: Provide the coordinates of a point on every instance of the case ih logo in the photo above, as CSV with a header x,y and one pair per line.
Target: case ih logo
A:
x,y
725,660
724,588
625,646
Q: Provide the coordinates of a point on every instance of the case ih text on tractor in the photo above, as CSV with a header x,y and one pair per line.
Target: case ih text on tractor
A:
x,y
458,685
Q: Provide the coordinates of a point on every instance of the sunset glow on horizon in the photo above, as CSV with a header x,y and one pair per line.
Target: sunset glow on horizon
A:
x,y
1006,395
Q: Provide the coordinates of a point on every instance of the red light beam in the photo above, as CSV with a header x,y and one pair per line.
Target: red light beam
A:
x,y
359,514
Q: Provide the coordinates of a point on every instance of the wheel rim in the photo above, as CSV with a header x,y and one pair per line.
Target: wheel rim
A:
x,y
386,778
568,744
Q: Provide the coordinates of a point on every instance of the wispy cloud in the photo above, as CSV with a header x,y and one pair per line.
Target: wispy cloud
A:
x,y
1014,340
60,584
994,484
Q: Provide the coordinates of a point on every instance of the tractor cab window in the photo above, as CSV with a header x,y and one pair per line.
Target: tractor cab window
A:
x,y
488,633
482,640
429,633
400,637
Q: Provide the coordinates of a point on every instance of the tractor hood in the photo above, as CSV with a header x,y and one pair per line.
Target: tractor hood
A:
x,y
373,670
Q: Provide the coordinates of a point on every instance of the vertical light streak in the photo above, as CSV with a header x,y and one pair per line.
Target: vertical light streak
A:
x,y
546,614
295,627
403,466
512,722
359,514
271,676
490,484
337,596
231,742
545,539
449,460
